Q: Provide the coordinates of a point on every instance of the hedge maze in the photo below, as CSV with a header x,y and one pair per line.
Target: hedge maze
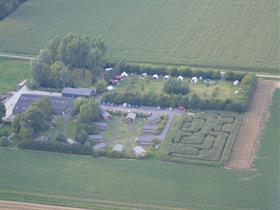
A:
x,y
204,138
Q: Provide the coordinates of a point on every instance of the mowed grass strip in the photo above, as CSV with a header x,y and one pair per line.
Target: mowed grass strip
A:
x,y
12,72
43,177
217,33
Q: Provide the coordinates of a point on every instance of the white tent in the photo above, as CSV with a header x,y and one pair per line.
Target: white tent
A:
x,y
108,69
236,82
144,75
110,88
155,77
124,74
166,77
194,80
180,78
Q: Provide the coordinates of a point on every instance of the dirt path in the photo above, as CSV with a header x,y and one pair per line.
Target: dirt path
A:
x,y
13,205
246,143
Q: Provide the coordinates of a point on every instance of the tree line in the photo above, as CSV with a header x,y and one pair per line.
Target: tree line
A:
x,y
8,6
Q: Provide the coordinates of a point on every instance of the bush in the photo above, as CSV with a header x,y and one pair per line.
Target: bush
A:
x,y
101,87
60,138
4,141
176,87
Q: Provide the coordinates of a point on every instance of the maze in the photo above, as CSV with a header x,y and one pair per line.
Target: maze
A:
x,y
205,138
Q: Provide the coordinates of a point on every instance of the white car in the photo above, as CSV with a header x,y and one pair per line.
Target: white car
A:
x,y
124,105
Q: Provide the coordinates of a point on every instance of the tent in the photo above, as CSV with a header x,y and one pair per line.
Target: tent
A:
x,y
180,78
194,80
155,77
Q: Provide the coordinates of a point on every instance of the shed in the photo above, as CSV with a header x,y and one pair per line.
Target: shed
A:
x,y
145,140
118,148
110,88
100,146
153,119
78,92
106,115
166,77
96,138
180,78
194,80
147,128
101,125
71,141
155,77
131,117
236,82
139,151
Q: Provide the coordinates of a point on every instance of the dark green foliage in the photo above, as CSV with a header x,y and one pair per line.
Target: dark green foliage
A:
x,y
8,6
2,111
4,141
60,138
89,128
101,86
81,136
56,147
176,87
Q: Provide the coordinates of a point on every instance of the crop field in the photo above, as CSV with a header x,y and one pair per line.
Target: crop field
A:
x,y
12,73
217,33
204,138
220,89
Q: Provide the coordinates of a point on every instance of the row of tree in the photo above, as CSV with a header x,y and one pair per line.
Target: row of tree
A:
x,y
176,71
8,6
55,64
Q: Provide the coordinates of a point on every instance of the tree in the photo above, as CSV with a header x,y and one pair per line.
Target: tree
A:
x,y
90,111
176,87
2,111
82,136
4,141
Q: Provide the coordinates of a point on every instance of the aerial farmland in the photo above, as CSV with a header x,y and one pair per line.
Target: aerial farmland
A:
x,y
151,105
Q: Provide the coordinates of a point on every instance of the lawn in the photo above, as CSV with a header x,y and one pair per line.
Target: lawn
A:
x,y
12,73
124,184
122,132
218,33
222,89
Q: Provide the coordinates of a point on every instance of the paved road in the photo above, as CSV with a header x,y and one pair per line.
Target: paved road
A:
x,y
11,102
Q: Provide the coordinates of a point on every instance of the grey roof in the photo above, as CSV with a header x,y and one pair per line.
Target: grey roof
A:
x,y
100,146
101,124
145,139
154,118
78,91
105,114
59,104
150,127
118,148
96,137
138,150
131,115
42,138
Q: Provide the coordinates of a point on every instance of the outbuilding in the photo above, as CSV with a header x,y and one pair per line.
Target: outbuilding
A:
x,y
106,115
153,119
155,77
96,138
78,92
131,117
101,125
147,128
100,146
145,140
139,151
118,148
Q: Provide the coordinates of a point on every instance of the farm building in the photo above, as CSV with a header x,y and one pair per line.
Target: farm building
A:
x,y
78,92
145,140
60,105
180,78
153,119
101,126
106,115
147,128
118,148
42,139
155,77
71,141
139,151
131,117
100,146
96,138
194,80
236,82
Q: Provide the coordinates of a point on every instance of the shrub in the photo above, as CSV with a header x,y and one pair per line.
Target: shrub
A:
x,y
4,141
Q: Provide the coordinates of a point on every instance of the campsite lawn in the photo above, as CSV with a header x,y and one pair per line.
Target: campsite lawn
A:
x,y
221,89
122,132
105,183
211,33
12,72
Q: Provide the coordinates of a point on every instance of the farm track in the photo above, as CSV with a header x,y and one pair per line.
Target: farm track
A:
x,y
246,143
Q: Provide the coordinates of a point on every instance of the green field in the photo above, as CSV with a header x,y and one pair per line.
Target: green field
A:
x,y
12,73
216,33
205,138
221,89
124,184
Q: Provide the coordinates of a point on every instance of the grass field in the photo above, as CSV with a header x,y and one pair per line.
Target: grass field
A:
x,y
205,138
206,32
221,89
12,73
123,184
